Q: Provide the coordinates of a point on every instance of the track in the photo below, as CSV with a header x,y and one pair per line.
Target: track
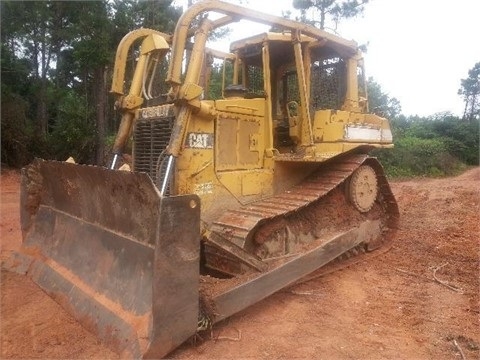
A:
x,y
283,224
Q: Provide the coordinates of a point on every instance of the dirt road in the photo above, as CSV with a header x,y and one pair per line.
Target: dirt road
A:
x,y
419,300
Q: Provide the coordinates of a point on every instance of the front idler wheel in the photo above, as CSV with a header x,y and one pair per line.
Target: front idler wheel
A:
x,y
362,188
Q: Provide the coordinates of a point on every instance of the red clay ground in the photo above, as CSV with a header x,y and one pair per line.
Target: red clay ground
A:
x,y
390,307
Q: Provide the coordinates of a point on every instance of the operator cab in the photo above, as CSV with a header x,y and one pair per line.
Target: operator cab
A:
x,y
325,69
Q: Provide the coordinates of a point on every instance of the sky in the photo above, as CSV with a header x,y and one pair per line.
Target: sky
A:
x,y
417,50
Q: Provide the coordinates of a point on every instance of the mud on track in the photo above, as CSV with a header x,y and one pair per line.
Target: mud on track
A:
x,y
418,300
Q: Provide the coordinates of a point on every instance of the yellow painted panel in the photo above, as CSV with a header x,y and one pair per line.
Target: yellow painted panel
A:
x,y
257,183
248,131
226,140
333,132
255,107
247,185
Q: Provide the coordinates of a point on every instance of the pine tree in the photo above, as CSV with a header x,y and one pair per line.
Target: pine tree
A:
x,y
470,90
333,10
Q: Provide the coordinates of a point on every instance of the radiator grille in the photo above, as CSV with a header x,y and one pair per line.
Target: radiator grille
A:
x,y
150,138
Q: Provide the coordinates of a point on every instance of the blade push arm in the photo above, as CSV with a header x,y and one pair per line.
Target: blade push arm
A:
x,y
154,42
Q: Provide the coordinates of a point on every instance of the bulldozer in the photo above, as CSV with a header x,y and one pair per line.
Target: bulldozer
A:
x,y
238,187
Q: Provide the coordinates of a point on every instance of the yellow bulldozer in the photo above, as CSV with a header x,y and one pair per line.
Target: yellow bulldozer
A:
x,y
230,198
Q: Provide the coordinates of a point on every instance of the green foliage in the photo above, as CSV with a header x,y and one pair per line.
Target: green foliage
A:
x,y
14,72
438,145
214,89
159,15
333,10
14,135
381,103
74,131
435,146
56,58
415,156
217,82
93,46
461,138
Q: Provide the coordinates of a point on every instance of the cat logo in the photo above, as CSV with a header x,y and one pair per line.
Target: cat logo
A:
x,y
199,141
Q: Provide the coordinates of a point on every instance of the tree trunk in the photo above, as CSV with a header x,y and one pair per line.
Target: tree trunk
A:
x,y
45,56
322,19
42,121
100,103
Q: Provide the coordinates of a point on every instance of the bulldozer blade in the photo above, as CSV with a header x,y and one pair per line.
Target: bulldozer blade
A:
x,y
117,256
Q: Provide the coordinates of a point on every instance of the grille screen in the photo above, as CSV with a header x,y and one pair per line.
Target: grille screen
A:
x,y
150,138
328,81
255,80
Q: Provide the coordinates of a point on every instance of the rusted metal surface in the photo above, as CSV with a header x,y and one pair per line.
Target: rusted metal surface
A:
x,y
239,225
238,293
112,252
126,203
238,297
237,252
175,275
388,201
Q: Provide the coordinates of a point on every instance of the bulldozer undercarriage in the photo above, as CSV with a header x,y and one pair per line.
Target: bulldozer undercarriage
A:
x,y
290,235
336,198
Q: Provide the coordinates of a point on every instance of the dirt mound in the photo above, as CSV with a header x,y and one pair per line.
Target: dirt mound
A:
x,y
419,300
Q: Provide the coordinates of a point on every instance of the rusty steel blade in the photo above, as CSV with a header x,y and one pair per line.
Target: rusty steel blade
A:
x,y
110,250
